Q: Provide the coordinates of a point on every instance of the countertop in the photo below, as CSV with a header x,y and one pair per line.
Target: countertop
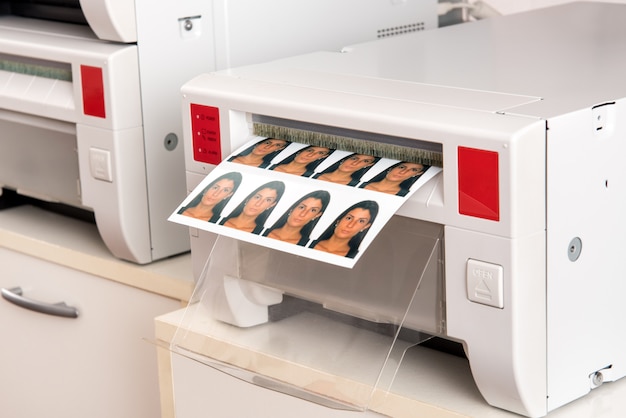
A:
x,y
76,244
427,383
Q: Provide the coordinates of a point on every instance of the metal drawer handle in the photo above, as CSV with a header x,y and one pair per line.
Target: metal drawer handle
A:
x,y
14,296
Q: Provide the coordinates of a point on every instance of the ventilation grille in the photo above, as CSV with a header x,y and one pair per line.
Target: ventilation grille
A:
x,y
399,30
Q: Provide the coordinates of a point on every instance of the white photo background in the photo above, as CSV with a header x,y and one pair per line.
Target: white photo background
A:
x,y
341,198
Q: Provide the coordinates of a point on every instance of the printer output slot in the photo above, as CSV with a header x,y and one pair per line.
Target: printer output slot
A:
x,y
379,145
39,157
36,67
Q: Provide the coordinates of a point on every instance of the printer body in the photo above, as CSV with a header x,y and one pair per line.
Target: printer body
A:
x,y
90,104
525,219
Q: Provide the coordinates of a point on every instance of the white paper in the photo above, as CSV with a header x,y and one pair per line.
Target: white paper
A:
x,y
333,219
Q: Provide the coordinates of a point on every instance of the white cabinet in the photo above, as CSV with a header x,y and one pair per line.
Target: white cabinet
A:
x,y
101,364
96,365
193,389
201,391
428,383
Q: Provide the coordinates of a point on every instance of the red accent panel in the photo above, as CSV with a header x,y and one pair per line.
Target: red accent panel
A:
x,y
93,91
479,184
205,126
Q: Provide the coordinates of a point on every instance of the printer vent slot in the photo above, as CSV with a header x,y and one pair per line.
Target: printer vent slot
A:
x,y
379,145
402,29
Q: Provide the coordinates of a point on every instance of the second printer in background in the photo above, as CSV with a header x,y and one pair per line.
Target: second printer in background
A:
x,y
90,103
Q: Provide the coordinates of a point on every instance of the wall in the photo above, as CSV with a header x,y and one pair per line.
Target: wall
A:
x,y
508,6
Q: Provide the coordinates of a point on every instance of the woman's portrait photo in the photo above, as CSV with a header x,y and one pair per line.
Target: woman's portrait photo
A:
x,y
348,170
397,179
343,237
208,205
260,154
277,201
296,224
250,215
302,162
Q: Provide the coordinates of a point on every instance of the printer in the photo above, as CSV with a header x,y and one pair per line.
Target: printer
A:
x,y
89,94
514,249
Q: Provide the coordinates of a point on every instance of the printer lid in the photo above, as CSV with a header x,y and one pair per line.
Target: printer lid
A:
x,y
68,11
539,64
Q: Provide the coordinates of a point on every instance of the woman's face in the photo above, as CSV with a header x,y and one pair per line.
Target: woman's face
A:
x,y
404,171
268,146
356,162
352,223
310,154
219,191
305,212
261,201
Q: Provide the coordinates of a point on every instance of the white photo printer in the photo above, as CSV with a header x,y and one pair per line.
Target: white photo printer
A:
x,y
90,103
514,249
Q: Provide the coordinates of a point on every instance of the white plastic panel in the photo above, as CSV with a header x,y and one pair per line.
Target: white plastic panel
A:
x,y
506,347
311,24
585,285
120,205
168,56
113,20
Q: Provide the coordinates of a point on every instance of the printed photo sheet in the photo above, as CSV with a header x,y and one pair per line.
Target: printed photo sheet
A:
x,y
314,202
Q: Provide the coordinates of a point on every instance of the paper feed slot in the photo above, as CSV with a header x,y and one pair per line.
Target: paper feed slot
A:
x,y
313,330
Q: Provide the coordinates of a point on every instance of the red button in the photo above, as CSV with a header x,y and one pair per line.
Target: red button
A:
x,y
205,126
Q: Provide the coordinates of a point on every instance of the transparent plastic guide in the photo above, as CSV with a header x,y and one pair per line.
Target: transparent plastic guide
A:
x,y
323,333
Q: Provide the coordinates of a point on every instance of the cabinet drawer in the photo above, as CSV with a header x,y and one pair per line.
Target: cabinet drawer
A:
x,y
201,391
95,365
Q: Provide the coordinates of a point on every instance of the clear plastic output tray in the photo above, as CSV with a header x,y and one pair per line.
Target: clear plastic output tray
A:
x,y
317,331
